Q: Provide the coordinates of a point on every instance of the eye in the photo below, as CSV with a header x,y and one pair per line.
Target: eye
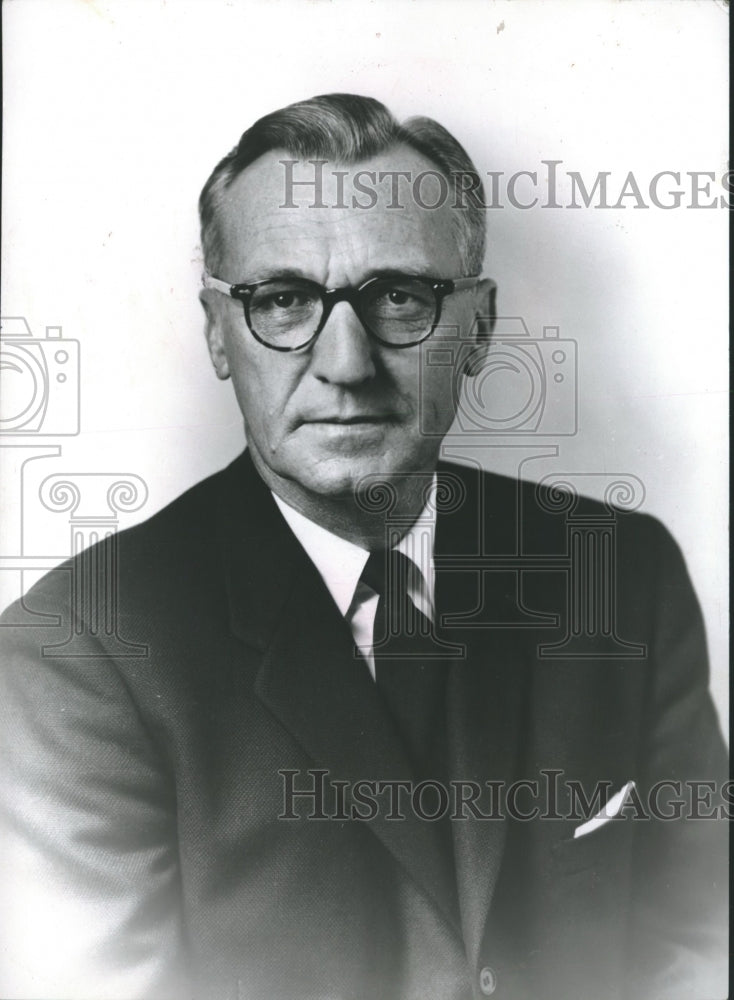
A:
x,y
286,300
283,298
397,296
401,294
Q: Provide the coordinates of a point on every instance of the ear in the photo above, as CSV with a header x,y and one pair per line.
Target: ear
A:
x,y
485,317
214,332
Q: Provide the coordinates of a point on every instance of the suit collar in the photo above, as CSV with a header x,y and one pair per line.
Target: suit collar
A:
x,y
259,554
339,561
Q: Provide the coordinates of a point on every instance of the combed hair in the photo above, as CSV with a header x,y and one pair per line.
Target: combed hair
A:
x,y
348,129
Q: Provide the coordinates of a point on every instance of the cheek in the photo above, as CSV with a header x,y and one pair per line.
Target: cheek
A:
x,y
263,386
438,395
250,382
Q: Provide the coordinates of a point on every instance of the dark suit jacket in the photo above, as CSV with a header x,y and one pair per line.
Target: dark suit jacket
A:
x,y
145,734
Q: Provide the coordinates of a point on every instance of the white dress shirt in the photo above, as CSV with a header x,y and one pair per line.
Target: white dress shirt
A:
x,y
341,563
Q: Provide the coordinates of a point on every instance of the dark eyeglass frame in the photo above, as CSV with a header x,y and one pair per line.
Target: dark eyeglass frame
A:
x,y
441,287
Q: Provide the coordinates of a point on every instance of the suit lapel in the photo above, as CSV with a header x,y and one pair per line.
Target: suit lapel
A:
x,y
486,699
484,706
309,677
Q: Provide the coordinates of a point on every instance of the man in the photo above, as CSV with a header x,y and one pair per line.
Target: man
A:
x,y
340,638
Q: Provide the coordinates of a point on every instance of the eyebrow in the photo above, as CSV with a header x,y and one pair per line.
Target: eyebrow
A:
x,y
273,273
391,272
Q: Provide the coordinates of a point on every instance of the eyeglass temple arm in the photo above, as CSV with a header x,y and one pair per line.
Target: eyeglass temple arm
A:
x,y
216,283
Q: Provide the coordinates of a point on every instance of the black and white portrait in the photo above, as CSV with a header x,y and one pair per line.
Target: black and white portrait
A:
x,y
362,442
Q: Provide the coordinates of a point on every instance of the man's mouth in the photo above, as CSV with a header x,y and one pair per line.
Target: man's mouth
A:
x,y
357,418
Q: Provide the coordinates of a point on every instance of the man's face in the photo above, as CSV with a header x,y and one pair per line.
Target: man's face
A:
x,y
318,420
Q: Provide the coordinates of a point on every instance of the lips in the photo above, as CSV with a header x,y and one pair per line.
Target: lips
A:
x,y
358,418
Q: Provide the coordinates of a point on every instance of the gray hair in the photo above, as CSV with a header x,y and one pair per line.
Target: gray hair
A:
x,y
346,128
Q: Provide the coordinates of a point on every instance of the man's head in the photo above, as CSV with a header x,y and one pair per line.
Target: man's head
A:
x,y
346,403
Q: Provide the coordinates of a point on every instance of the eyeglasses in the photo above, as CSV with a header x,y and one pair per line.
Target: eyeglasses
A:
x,y
287,314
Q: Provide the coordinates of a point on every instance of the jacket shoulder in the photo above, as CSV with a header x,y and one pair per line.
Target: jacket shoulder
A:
x,y
538,508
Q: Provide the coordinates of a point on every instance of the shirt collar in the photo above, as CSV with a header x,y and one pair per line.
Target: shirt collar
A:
x,y
341,562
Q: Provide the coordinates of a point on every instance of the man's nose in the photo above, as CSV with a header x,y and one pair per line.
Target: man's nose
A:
x,y
344,352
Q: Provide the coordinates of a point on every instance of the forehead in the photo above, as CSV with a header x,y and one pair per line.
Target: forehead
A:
x,y
268,220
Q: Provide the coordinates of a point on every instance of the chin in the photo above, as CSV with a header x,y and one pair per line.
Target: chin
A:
x,y
341,478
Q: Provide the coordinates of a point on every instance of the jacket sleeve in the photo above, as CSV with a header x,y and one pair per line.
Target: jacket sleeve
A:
x,y
679,933
89,881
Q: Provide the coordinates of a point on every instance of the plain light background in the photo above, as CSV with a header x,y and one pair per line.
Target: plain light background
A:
x,y
116,111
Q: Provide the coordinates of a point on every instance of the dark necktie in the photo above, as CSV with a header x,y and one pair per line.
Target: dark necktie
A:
x,y
410,671
409,668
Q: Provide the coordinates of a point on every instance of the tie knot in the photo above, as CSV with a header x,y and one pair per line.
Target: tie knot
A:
x,y
387,572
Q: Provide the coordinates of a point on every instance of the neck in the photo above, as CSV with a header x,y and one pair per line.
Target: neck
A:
x,y
362,517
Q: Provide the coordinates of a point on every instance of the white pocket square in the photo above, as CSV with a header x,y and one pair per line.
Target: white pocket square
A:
x,y
609,811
